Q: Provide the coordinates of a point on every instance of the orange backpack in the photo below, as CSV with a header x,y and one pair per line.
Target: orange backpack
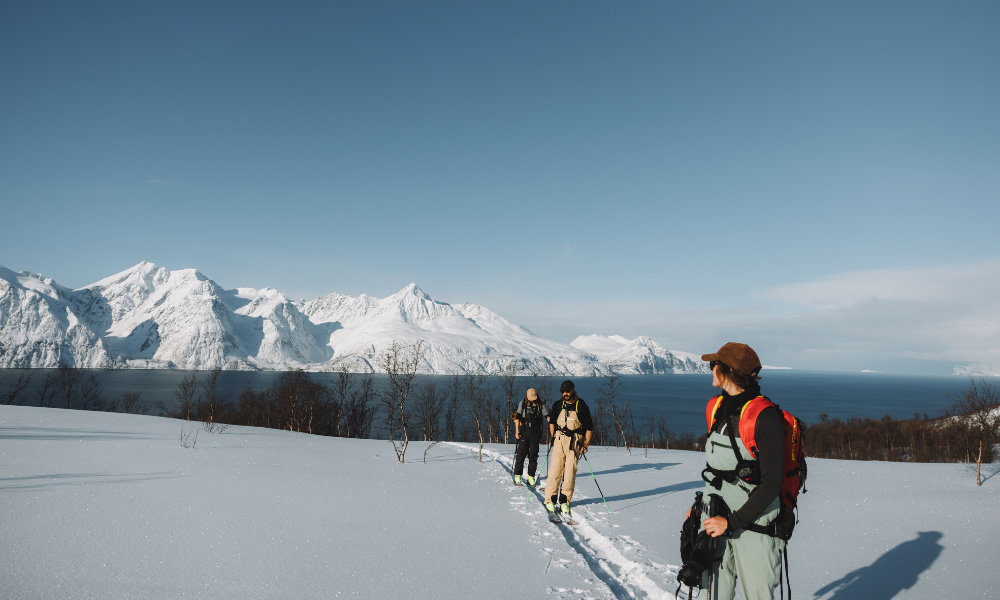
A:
x,y
795,459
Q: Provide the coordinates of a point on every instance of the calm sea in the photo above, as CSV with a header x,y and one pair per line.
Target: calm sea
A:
x,y
680,398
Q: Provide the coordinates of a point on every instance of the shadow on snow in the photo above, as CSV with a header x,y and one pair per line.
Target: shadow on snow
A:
x,y
55,480
677,487
635,467
895,571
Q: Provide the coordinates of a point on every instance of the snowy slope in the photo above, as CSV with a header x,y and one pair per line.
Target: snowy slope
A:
x,y
641,356
102,505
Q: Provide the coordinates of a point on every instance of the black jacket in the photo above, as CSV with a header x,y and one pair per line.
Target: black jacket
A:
x,y
531,416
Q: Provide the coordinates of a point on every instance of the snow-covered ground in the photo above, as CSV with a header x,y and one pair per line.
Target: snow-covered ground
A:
x,y
99,505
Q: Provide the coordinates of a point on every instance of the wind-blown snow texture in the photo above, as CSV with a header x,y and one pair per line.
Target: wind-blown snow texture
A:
x,y
100,505
149,317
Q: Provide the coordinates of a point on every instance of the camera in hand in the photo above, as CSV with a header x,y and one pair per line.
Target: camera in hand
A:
x,y
698,548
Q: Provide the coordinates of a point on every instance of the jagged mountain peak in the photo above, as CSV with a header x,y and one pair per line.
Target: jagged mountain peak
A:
x,y
411,290
136,272
641,342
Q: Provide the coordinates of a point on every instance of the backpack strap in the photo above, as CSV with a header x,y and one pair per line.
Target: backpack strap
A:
x,y
710,410
566,430
748,422
747,470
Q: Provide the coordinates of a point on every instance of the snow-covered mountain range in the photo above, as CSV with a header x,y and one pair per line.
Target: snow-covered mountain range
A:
x,y
641,356
149,317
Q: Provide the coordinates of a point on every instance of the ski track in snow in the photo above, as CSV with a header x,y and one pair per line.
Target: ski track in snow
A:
x,y
623,577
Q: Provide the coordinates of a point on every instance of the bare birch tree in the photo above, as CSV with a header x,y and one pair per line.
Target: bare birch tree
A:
x,y
452,413
401,366
429,405
508,388
979,409
215,398
15,392
47,393
473,389
359,411
608,392
79,389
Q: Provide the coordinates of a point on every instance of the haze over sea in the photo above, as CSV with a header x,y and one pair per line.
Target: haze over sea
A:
x,y
681,398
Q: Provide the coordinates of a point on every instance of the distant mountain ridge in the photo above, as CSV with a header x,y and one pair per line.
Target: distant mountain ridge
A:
x,y
641,356
148,317
978,370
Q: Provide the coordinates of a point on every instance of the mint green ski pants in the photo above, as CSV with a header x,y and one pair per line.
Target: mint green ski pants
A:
x,y
757,560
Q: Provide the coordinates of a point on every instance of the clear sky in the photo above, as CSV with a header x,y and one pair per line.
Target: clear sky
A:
x,y
820,180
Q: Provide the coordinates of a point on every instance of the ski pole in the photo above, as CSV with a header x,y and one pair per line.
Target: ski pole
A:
x,y
513,459
536,481
540,476
598,485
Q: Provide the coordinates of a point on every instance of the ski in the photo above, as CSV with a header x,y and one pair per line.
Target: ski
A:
x,y
557,518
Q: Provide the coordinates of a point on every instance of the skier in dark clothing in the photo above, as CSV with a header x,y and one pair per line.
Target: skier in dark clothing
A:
x,y
528,419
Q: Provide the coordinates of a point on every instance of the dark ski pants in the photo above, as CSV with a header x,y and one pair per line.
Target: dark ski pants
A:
x,y
526,446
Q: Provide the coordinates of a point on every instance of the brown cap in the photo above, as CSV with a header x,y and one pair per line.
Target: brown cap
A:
x,y
738,357
531,395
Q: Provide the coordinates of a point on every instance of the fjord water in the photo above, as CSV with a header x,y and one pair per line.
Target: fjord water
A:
x,y
680,398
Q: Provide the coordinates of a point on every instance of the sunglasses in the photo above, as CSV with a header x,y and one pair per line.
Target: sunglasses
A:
x,y
713,363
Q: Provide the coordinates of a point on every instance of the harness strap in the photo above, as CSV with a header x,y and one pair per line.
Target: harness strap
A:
x,y
769,529
733,476
742,463
566,430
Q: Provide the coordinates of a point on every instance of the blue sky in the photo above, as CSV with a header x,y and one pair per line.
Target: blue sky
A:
x,y
694,172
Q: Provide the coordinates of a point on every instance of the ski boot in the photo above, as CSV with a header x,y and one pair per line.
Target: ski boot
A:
x,y
566,514
517,480
531,482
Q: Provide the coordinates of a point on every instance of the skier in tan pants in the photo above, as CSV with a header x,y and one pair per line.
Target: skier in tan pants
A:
x,y
570,430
